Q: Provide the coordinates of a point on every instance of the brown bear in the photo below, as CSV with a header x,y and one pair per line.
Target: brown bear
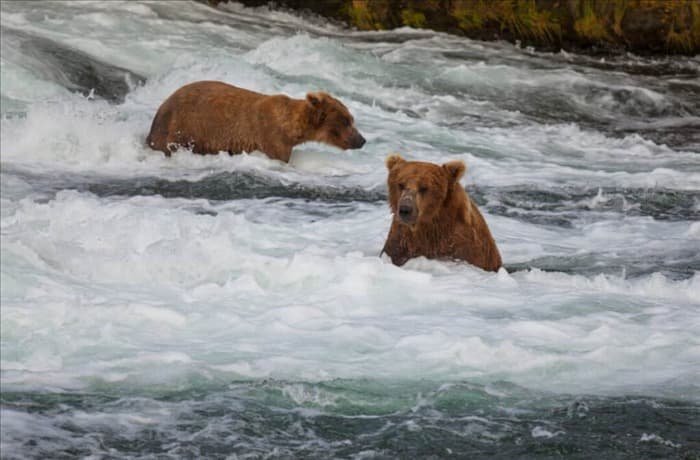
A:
x,y
212,116
434,217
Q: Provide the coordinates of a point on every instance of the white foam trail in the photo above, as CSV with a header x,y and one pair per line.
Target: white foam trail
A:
x,y
302,300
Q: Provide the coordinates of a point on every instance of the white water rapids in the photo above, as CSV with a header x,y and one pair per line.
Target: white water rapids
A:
x,y
587,173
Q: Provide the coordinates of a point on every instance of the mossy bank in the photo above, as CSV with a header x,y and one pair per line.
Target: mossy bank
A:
x,y
639,26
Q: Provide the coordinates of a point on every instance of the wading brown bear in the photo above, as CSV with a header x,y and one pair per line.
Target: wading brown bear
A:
x,y
212,116
434,217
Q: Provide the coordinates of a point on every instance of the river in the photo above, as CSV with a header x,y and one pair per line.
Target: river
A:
x,y
237,307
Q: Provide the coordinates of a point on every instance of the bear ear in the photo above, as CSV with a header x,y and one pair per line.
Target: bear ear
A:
x,y
455,169
393,160
315,98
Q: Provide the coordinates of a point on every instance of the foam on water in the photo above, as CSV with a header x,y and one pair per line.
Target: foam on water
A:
x,y
296,299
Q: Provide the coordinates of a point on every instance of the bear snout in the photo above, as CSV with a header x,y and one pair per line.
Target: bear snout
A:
x,y
406,210
357,141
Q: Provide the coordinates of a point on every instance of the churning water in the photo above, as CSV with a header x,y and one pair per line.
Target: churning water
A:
x,y
237,307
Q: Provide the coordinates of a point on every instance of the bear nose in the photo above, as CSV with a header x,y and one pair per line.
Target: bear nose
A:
x,y
358,141
406,208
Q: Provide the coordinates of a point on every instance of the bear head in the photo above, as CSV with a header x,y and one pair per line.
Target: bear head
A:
x,y
332,122
419,190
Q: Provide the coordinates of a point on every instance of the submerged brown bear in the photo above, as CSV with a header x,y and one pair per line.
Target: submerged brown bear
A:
x,y
212,116
434,217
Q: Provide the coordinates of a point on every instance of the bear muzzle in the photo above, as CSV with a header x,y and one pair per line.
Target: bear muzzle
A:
x,y
407,210
357,141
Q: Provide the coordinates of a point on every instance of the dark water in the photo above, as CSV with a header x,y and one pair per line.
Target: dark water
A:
x,y
557,206
366,419
76,70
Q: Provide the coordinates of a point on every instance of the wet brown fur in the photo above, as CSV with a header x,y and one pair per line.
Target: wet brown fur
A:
x,y
211,116
448,225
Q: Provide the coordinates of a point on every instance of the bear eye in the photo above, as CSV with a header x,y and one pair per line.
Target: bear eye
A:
x,y
402,186
346,122
422,190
